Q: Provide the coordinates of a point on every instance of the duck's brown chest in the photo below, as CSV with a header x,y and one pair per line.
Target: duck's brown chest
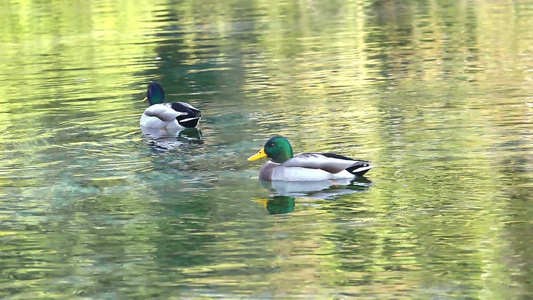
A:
x,y
266,171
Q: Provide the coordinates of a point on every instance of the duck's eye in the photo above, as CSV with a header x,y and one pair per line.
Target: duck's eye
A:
x,y
271,145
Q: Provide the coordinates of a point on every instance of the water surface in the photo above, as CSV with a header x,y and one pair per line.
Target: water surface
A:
x,y
437,94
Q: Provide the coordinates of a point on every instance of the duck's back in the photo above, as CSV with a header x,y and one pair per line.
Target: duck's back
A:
x,y
159,116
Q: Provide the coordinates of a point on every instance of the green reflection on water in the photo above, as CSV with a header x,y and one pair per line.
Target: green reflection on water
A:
x,y
437,94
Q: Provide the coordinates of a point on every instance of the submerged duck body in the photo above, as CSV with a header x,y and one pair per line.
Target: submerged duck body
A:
x,y
171,116
311,166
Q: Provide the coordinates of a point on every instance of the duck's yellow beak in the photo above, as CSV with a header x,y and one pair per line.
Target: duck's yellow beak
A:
x,y
259,155
145,99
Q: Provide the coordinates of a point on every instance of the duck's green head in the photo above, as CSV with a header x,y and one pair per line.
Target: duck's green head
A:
x,y
277,148
155,94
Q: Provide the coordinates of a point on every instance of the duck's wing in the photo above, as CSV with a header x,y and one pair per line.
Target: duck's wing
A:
x,y
163,112
329,162
190,117
185,107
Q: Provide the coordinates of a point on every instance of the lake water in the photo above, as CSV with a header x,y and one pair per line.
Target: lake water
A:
x,y
437,94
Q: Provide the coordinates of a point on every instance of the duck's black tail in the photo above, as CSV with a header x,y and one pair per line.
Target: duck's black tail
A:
x,y
192,116
189,121
359,168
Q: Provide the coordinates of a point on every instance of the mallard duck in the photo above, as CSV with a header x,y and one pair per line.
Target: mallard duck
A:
x,y
170,116
312,166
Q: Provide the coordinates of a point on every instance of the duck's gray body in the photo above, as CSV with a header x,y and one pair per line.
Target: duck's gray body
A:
x,y
172,116
313,167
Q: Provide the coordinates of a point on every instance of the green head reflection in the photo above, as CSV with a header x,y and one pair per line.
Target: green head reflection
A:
x,y
278,204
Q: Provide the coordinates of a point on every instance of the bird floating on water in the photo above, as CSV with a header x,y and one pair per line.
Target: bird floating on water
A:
x,y
173,116
311,166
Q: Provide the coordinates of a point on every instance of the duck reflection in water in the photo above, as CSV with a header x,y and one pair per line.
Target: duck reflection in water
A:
x,y
283,193
323,189
162,139
278,204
